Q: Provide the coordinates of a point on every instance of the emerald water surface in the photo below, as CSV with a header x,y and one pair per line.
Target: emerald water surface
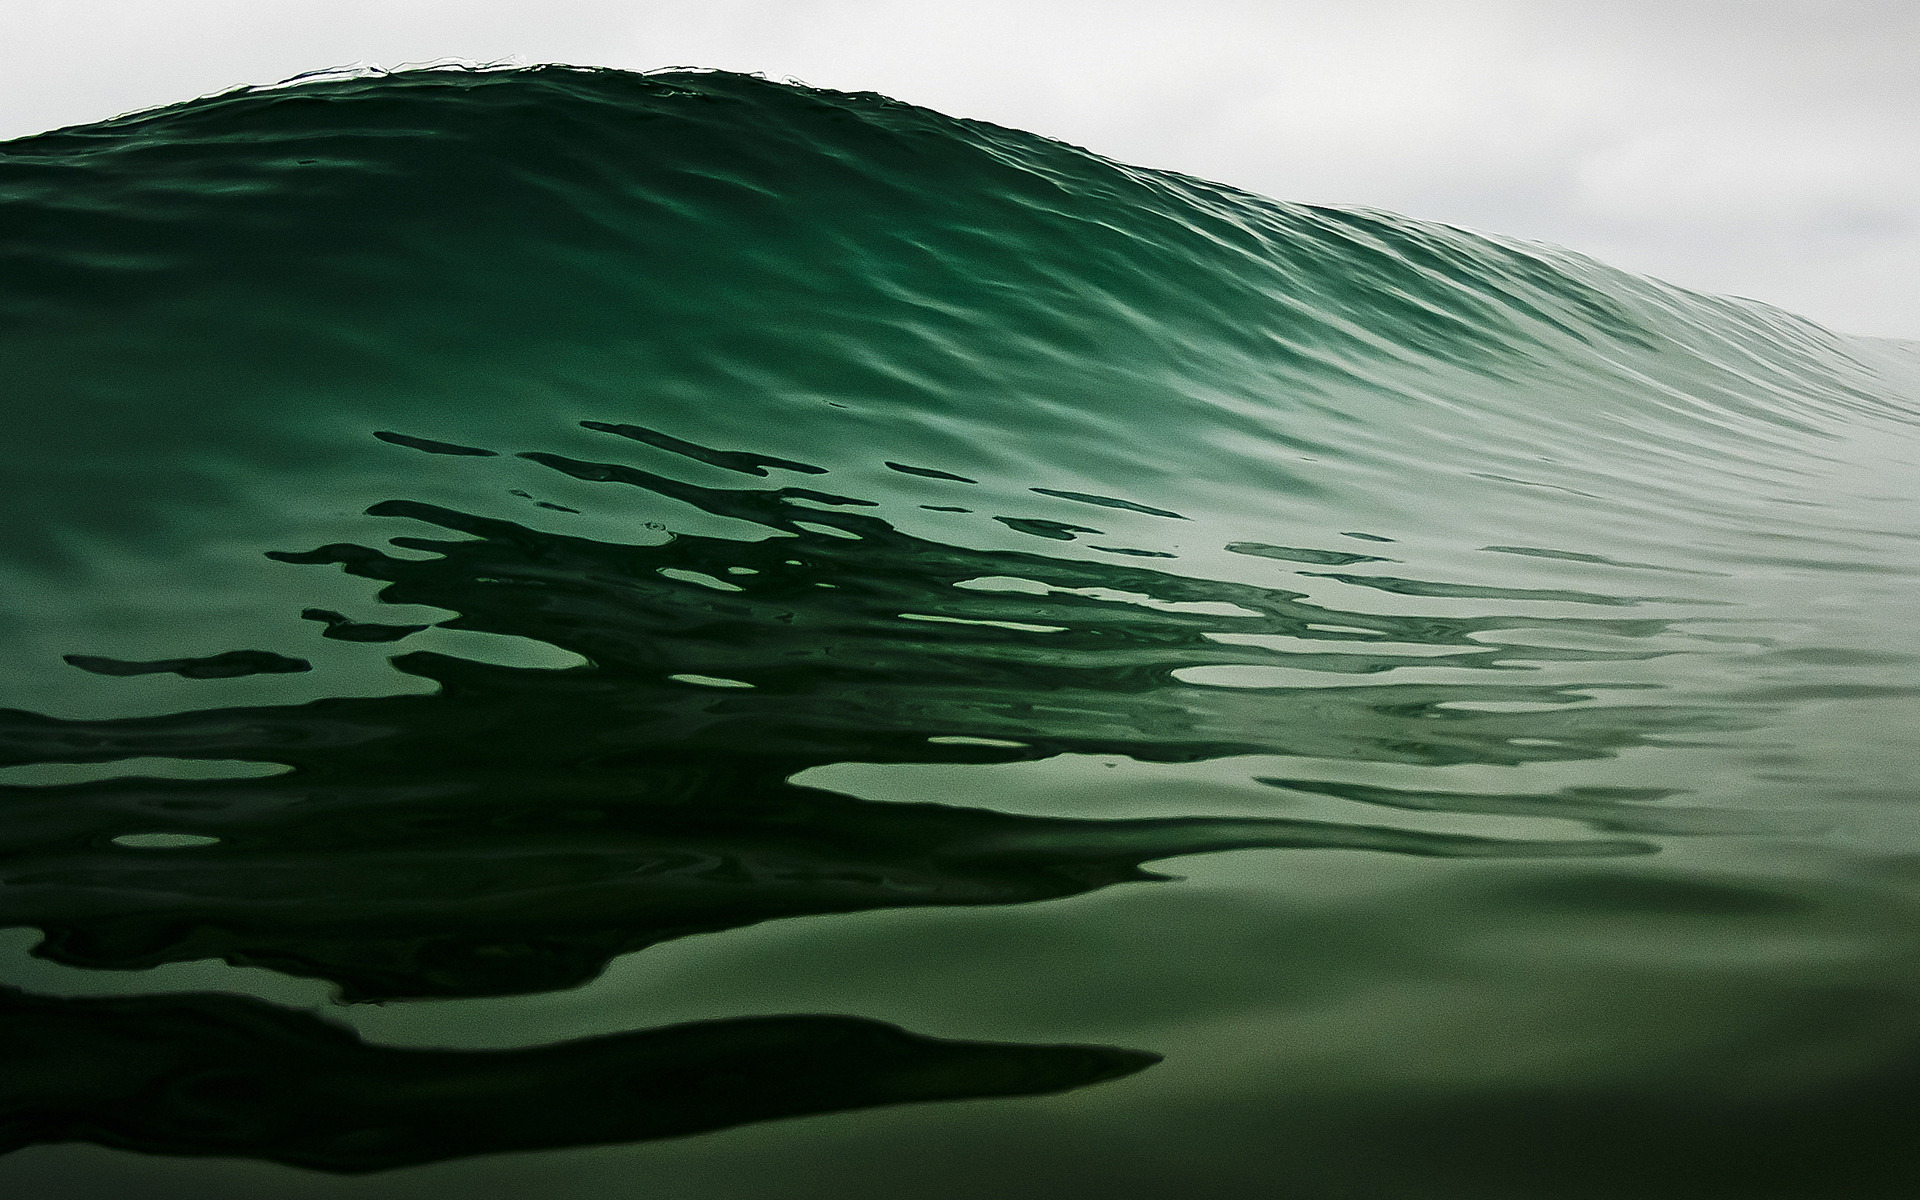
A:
x,y
575,634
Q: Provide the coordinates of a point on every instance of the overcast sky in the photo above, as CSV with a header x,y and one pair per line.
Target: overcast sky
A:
x,y
1764,148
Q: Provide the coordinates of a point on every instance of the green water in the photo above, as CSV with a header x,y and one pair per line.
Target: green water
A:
x,y
572,634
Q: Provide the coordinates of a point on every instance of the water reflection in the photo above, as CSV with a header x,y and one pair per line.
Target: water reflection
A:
x,y
516,829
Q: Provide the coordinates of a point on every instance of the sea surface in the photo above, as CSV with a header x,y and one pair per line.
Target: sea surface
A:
x,y
578,634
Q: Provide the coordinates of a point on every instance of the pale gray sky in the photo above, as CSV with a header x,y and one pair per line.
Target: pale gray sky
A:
x,y
1765,148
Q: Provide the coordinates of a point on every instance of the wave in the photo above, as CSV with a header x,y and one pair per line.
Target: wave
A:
x,y
676,434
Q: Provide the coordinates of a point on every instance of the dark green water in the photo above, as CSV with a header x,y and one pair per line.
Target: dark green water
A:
x,y
571,634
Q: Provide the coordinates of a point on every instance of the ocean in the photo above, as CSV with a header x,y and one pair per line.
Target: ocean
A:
x,y
573,634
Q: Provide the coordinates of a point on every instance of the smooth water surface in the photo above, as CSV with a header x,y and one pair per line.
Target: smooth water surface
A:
x,y
551,612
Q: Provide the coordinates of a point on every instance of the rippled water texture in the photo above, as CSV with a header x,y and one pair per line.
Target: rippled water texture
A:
x,y
550,611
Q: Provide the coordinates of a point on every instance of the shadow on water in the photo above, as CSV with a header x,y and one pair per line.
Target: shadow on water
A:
x,y
517,828
230,1075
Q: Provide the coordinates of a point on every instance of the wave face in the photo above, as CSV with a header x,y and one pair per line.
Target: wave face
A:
x,y
703,596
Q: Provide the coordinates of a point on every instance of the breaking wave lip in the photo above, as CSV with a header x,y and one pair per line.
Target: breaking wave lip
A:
x,y
760,428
